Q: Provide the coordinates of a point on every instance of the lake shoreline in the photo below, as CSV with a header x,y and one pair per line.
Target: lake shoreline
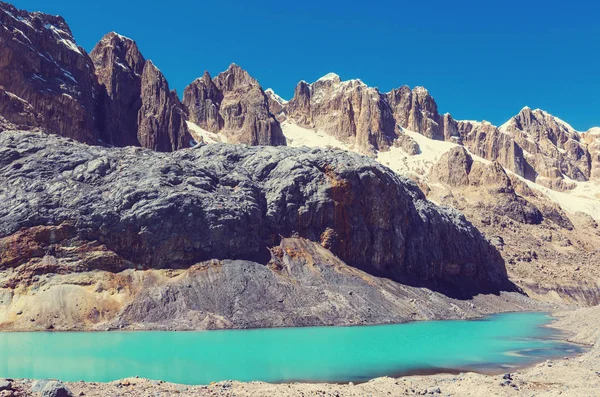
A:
x,y
574,376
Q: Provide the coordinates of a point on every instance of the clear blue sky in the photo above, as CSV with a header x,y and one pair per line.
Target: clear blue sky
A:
x,y
480,60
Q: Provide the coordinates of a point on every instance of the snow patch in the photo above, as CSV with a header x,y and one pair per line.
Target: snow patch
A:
x,y
330,77
275,97
200,134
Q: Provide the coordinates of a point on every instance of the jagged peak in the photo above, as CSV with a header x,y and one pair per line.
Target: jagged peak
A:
x,y
113,34
420,90
275,97
330,77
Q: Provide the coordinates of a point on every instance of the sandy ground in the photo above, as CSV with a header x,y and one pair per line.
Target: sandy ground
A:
x,y
575,376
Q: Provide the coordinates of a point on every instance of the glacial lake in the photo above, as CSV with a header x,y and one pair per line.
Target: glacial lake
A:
x,y
317,354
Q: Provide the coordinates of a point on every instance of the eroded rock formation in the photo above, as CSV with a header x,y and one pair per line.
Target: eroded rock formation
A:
x,y
53,77
349,110
235,105
233,202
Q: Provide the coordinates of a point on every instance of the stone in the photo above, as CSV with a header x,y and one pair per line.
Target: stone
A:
x,y
233,104
161,118
241,201
48,78
56,389
349,110
5,384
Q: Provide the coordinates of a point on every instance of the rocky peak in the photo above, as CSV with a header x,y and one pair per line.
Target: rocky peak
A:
x,y
276,104
136,105
552,146
116,50
234,78
349,110
161,118
41,64
417,111
235,105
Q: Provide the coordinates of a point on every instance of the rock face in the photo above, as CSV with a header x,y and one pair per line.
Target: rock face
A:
x,y
488,184
349,110
53,77
233,202
233,104
592,139
16,113
115,97
553,147
119,66
161,119
416,111
137,107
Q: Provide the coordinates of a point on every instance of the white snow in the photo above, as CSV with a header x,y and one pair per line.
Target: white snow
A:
x,y
329,77
298,136
584,198
269,91
209,137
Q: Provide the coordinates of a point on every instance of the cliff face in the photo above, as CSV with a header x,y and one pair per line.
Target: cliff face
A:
x,y
50,83
232,202
51,76
161,119
119,65
552,147
235,105
349,110
136,106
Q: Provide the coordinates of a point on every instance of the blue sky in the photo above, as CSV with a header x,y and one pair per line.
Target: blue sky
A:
x,y
480,60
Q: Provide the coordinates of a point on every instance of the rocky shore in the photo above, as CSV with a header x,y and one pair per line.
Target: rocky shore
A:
x,y
571,376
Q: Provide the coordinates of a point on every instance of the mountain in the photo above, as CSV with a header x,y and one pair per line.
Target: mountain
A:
x,y
272,221
519,203
47,74
112,96
233,104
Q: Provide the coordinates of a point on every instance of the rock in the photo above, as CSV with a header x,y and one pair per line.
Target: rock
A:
x,y
226,201
416,111
554,147
161,118
235,105
5,385
349,110
48,79
119,66
507,376
56,389
495,192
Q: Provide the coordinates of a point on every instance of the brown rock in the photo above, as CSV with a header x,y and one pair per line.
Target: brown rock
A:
x,y
16,113
349,110
233,104
41,64
161,118
119,66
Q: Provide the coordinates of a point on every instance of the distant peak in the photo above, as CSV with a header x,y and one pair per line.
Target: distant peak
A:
x,y
120,36
420,90
274,96
330,77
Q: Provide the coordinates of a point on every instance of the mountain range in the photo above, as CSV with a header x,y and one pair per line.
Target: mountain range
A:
x,y
390,187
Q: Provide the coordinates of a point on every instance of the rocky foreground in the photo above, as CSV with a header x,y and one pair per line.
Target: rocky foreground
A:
x,y
575,376
228,236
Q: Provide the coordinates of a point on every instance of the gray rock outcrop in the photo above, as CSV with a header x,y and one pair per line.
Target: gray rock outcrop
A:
x,y
231,202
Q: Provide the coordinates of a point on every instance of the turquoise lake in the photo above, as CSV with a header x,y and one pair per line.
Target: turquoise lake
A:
x,y
334,354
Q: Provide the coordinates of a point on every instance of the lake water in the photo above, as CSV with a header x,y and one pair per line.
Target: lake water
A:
x,y
334,354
